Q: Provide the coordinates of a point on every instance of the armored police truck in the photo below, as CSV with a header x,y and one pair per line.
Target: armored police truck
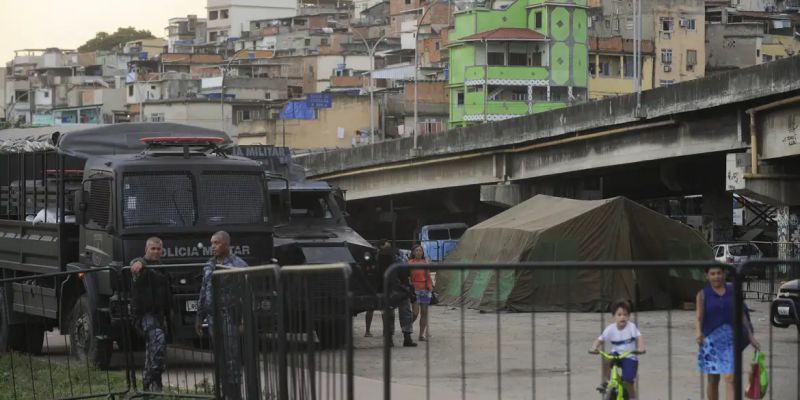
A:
x,y
91,200
317,231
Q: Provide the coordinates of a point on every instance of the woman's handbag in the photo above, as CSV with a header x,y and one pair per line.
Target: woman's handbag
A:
x,y
759,380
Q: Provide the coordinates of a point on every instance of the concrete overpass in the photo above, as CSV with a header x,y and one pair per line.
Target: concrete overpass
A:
x,y
692,134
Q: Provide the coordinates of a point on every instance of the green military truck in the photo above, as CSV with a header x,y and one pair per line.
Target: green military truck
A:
x,y
89,200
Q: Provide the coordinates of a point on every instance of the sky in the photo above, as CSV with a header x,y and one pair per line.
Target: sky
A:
x,y
67,24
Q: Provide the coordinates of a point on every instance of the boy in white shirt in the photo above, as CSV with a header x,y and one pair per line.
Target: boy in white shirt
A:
x,y
624,336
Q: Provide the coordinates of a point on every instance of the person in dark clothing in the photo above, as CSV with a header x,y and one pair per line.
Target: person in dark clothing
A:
x,y
149,300
400,293
226,333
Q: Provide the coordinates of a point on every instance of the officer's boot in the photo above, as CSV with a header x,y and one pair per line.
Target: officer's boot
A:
x,y
407,342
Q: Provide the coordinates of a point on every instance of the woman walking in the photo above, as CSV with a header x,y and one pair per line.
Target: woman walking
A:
x,y
714,330
423,286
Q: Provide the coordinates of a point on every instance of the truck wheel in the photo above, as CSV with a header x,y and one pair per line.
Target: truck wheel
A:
x,y
332,334
11,336
84,344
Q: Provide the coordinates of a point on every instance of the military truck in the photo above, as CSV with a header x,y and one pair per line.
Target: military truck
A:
x,y
101,193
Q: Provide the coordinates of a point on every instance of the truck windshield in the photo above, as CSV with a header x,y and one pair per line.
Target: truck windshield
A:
x,y
312,205
172,199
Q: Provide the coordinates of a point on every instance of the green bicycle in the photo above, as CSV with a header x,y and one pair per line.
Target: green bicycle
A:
x,y
615,389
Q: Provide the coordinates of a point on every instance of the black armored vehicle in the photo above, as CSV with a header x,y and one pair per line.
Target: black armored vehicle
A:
x,y
102,192
317,231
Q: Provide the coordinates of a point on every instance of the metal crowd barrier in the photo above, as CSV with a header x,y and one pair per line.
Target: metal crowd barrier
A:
x,y
544,354
283,333
41,363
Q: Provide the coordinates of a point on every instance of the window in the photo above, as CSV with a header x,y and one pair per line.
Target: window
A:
x,y
518,59
607,23
767,58
157,117
46,94
666,82
130,90
212,36
244,115
307,42
629,24
212,15
223,14
323,42
758,52
158,199
215,191
628,66
496,58
666,25
460,99
691,59
689,24
408,2
666,56
436,45
538,20
605,68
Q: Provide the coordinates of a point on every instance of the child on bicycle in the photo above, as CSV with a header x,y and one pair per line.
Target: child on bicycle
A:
x,y
624,336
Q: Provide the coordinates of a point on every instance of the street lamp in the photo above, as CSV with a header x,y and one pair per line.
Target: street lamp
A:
x,y
416,69
371,53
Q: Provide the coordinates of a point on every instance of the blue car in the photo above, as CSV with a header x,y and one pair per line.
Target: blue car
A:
x,y
439,240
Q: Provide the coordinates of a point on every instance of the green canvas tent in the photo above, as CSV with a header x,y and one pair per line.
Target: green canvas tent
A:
x,y
546,228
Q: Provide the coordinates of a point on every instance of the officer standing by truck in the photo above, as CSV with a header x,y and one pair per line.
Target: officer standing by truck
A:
x,y
149,302
228,323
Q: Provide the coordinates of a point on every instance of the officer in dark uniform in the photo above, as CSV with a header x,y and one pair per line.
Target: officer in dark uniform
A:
x,y
228,310
149,300
400,293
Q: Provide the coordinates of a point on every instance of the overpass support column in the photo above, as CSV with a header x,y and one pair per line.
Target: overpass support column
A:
x,y
718,206
788,219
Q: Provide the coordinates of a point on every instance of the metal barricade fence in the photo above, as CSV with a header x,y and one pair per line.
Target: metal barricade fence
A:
x,y
37,361
784,380
498,354
283,333
188,359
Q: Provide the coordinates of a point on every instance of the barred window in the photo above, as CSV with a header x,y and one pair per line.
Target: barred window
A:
x,y
158,200
231,198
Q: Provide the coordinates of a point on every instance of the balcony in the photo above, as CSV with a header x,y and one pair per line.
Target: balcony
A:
x,y
522,74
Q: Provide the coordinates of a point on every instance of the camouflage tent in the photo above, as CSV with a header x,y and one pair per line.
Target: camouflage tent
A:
x,y
546,228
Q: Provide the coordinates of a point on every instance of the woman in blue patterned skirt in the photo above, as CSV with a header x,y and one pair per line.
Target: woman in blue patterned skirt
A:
x,y
714,330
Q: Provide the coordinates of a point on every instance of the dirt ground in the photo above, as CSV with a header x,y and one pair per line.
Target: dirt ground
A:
x,y
563,368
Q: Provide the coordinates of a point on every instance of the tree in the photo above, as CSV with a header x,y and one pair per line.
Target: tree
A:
x,y
104,41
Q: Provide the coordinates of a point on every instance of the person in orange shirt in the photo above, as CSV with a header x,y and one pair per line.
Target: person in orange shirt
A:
x,y
423,286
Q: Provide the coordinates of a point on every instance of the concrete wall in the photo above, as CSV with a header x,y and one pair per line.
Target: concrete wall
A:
x,y
732,46
765,80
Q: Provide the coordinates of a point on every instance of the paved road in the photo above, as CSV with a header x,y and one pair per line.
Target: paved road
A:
x,y
561,364
559,372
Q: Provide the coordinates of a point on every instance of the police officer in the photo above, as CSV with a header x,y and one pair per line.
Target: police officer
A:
x,y
149,300
400,292
228,323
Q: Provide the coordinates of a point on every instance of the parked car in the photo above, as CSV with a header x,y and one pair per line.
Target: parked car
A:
x,y
439,240
736,253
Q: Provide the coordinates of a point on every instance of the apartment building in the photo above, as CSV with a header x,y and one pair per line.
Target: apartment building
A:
x,y
509,59
675,27
227,18
186,34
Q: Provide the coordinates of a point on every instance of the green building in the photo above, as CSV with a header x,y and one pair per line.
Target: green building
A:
x,y
508,60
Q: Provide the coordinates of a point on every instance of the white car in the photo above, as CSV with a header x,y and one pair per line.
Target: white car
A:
x,y
736,253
